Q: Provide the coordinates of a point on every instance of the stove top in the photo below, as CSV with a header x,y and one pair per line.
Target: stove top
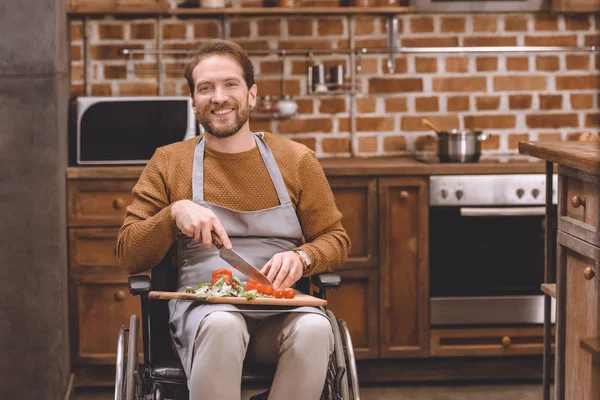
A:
x,y
430,157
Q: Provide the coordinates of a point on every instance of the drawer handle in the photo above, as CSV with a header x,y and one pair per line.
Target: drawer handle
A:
x,y
506,341
120,295
118,204
589,273
403,195
577,201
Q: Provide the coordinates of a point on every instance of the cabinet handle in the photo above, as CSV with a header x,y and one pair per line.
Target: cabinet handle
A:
x,y
589,273
577,201
120,295
403,195
506,341
118,204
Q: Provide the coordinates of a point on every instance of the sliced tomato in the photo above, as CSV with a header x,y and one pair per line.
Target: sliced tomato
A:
x,y
278,293
226,279
221,271
251,285
289,293
267,290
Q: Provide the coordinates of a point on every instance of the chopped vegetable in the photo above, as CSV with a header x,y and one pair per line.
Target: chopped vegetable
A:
x,y
289,293
278,293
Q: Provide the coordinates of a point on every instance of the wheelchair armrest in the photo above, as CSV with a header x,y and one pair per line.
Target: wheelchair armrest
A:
x,y
139,284
327,281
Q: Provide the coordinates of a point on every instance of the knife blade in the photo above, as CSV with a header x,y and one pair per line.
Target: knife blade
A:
x,y
238,262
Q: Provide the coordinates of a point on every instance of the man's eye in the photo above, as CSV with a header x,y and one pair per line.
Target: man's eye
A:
x,y
232,84
203,89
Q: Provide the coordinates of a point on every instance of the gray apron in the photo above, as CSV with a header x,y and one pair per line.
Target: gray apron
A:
x,y
256,235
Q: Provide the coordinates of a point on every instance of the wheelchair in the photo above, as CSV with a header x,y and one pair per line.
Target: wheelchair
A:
x,y
161,376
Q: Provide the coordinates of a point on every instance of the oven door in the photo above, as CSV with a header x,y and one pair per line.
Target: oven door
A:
x,y
486,265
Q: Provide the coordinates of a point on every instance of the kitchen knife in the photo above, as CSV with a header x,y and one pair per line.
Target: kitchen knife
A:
x,y
238,262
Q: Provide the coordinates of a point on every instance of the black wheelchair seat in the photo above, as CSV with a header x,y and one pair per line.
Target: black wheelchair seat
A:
x,y
171,370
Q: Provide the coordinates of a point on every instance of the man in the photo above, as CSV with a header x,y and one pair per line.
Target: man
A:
x,y
267,196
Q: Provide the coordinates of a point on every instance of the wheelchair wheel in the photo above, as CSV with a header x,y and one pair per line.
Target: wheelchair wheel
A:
x,y
349,351
339,355
126,367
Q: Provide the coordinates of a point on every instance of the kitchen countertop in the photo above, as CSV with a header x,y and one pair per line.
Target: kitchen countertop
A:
x,y
358,166
580,155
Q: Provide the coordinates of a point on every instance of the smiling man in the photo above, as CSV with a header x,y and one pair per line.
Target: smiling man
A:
x,y
265,195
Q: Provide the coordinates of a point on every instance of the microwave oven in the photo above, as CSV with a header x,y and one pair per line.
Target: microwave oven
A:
x,y
128,130
477,6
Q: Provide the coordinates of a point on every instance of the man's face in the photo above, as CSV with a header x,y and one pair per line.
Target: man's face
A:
x,y
221,99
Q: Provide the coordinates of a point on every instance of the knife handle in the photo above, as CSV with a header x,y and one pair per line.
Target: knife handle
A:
x,y
216,240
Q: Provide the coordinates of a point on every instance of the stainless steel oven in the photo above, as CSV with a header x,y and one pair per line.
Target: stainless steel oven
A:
x,y
486,249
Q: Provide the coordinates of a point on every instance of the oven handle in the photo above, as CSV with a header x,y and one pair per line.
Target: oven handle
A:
x,y
502,212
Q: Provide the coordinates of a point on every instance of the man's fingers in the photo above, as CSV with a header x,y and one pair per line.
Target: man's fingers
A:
x,y
282,274
206,237
221,233
274,267
265,269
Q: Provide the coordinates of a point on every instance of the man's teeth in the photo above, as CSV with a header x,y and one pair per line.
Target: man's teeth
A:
x,y
225,111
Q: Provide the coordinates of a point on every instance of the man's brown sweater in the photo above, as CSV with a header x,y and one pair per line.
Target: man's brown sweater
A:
x,y
237,181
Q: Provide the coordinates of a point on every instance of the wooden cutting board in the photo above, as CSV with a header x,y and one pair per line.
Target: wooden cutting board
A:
x,y
301,299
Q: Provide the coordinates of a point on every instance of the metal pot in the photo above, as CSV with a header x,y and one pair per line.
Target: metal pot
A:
x,y
460,146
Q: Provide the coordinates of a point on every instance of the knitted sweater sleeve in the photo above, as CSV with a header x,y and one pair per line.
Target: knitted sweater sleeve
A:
x,y
327,243
148,230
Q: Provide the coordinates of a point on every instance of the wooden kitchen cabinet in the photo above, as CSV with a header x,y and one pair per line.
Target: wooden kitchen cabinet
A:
x,y
116,6
575,5
403,270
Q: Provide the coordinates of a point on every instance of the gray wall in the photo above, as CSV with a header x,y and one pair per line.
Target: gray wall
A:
x,y
34,91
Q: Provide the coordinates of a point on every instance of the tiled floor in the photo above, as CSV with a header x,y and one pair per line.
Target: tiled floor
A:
x,y
530,391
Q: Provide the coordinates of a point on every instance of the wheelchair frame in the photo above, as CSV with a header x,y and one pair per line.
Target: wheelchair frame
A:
x,y
162,376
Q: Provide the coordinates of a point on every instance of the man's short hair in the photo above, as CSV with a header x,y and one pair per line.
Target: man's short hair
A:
x,y
221,47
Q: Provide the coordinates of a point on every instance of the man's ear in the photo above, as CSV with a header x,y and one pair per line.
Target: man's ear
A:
x,y
252,95
193,103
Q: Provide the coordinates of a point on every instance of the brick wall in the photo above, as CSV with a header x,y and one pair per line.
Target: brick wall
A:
x,y
516,96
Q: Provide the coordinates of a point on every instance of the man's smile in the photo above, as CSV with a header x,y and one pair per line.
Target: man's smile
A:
x,y
223,111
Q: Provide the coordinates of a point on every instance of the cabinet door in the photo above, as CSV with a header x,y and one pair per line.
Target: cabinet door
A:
x,y
98,202
578,318
356,198
403,277
356,303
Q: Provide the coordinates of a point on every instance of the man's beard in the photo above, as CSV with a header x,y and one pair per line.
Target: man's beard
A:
x,y
240,118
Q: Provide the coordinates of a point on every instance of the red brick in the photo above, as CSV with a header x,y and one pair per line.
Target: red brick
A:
x,y
394,143
368,65
174,31
490,41
550,101
145,70
112,51
330,26
581,82
578,22
142,31
111,31
343,125
471,84
400,65
261,125
138,88
487,63
519,101
367,144
457,64
591,40
395,85
517,63
421,24
207,30
76,72
492,142
424,104
395,104
248,44
444,122
307,125
547,63
520,83
490,121
372,124
76,31
592,120
515,23
366,105
371,43
453,24
430,42
515,138
303,44
537,121
101,89
363,26
269,27
570,40
485,23
272,87
311,143
335,145
305,106
115,72
300,26
76,53
77,90
487,102
425,65
239,29
581,101
549,137
332,106
544,22
457,103
271,67
578,62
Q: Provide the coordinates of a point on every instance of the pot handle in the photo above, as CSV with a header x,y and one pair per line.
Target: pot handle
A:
x,y
484,136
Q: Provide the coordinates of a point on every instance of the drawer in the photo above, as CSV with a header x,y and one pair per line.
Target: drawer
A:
x,y
98,202
579,194
500,341
92,252
98,310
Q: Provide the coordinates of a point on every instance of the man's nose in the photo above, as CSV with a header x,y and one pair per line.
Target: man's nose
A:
x,y
219,95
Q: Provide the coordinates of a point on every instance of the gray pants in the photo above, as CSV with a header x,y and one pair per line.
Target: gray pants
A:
x,y
299,343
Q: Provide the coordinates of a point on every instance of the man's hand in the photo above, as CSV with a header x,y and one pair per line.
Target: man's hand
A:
x,y
197,222
283,269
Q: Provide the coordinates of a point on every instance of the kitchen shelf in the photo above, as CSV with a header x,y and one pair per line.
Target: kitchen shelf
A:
x,y
161,10
592,345
549,289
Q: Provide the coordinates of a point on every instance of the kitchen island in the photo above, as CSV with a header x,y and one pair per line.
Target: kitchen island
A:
x,y
577,364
